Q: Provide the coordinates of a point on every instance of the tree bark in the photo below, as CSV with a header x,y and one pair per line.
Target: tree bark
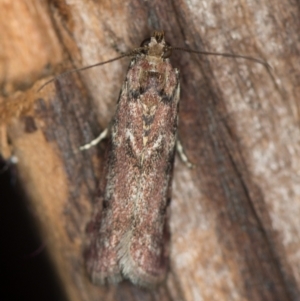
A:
x,y
235,217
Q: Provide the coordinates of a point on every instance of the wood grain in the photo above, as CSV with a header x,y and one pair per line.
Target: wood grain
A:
x,y
235,218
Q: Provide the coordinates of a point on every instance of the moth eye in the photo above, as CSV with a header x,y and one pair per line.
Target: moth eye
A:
x,y
145,42
167,52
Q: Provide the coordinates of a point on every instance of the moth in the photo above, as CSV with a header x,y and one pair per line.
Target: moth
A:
x,y
129,234
131,239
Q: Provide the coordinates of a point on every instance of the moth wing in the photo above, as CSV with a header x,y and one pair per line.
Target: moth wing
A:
x,y
117,183
145,247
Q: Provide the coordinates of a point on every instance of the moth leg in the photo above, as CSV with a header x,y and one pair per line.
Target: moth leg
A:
x,y
182,155
102,136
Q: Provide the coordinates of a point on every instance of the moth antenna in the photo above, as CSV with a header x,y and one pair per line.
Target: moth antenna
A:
x,y
133,52
249,58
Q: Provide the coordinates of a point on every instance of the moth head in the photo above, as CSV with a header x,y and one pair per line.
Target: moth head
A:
x,y
157,46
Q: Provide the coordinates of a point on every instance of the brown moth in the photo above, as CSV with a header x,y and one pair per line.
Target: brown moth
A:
x,y
131,239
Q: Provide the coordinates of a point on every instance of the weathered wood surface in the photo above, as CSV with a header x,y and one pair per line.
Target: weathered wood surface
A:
x,y
235,218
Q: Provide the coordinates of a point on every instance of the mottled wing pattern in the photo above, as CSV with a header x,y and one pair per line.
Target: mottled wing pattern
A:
x,y
122,172
151,133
